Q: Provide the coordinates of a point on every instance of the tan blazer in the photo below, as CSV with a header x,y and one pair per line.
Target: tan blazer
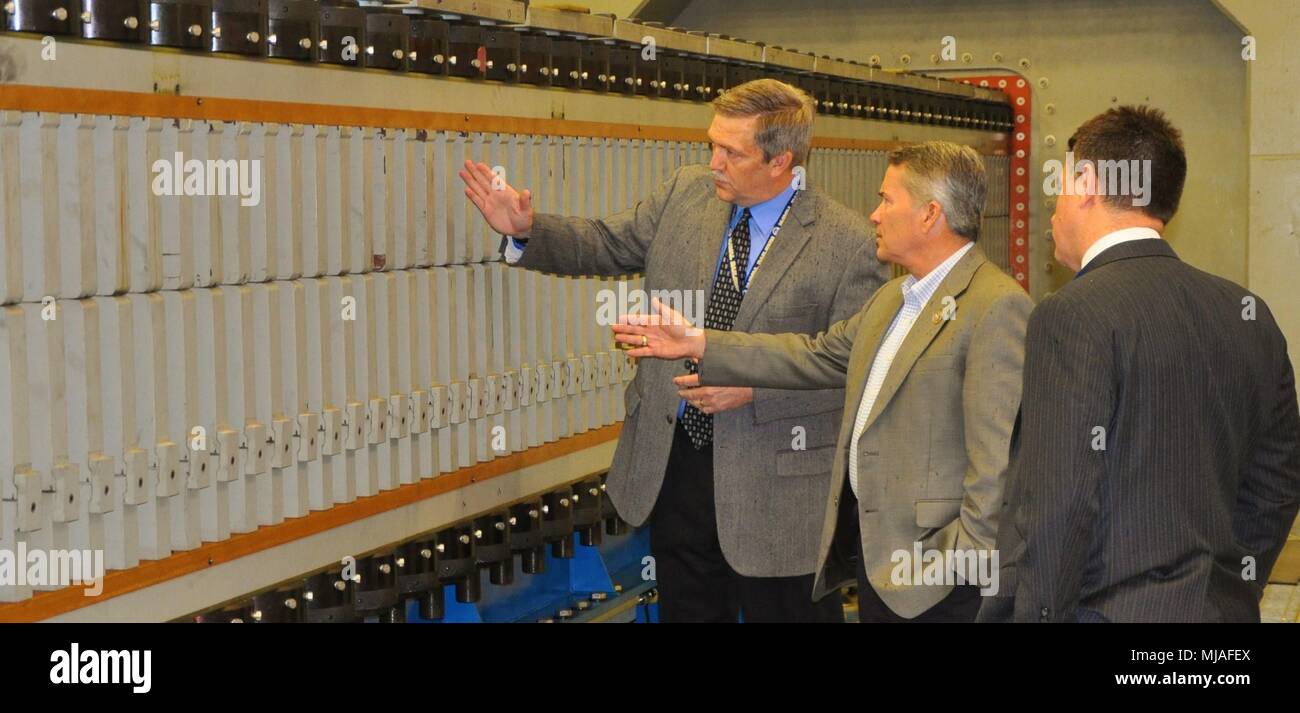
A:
x,y
932,458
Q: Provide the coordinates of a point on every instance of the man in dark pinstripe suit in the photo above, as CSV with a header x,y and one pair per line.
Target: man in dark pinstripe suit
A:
x,y
1156,462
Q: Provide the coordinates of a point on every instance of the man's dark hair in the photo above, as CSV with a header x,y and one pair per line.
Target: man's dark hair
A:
x,y
1137,133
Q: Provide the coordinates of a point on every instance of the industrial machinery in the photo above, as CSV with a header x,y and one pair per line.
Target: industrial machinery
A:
x,y
258,349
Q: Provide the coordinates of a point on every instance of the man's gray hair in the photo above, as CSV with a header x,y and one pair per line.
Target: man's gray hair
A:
x,y
949,174
785,116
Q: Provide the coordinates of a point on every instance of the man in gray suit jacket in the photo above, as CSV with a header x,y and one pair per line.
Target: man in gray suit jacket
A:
x,y
1157,458
932,366
734,513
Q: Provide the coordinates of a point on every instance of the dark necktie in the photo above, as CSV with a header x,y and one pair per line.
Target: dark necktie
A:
x,y
724,305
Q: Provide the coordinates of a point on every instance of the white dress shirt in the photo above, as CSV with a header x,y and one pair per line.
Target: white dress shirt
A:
x,y
1110,240
916,293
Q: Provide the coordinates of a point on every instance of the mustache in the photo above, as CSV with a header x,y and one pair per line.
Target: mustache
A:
x,y
719,177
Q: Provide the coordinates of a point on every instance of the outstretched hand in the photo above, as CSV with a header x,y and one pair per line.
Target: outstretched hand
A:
x,y
666,334
508,211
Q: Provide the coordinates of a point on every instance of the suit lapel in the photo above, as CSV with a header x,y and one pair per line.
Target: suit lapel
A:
x,y
707,244
880,312
785,248
928,325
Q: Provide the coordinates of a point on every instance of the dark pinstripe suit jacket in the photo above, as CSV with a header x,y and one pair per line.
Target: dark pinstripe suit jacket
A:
x,y
1196,473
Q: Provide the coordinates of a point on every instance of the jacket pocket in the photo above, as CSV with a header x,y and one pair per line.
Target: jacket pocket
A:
x,y
773,404
937,513
814,461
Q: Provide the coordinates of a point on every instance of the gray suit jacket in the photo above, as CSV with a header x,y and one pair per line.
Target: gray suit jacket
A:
x,y
932,458
820,268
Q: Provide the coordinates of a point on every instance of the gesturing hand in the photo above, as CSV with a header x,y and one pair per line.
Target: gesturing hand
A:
x,y
663,335
508,211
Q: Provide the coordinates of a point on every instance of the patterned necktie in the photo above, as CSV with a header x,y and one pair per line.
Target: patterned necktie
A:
x,y
724,305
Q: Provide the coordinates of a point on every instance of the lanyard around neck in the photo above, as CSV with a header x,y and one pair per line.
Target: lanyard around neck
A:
x,y
731,253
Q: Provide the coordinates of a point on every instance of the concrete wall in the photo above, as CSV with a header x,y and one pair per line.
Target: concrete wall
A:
x,y
1180,55
1273,262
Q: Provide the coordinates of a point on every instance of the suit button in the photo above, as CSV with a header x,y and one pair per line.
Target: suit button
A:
x,y
835,500
1044,614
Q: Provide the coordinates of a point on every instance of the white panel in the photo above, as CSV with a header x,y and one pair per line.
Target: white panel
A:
x,y
40,238
232,231
165,212
332,209
260,142
419,307
458,210
441,222
419,200
480,363
378,171
401,405
315,349
116,387
182,388
235,413
358,256
442,336
381,365
356,333
147,358
208,469
262,363
310,182
282,194
476,229
13,365
199,142
339,463
462,365
11,231
36,488
76,194
83,413
294,432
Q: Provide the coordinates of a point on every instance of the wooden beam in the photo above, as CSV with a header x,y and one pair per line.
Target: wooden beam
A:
x,y
62,100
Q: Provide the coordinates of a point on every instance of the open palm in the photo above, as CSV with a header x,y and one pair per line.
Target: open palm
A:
x,y
508,211
666,334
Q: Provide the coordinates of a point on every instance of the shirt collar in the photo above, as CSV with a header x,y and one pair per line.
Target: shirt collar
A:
x,y
766,214
918,292
1110,240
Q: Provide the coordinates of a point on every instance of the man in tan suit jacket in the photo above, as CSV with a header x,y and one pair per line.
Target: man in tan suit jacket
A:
x,y
932,371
